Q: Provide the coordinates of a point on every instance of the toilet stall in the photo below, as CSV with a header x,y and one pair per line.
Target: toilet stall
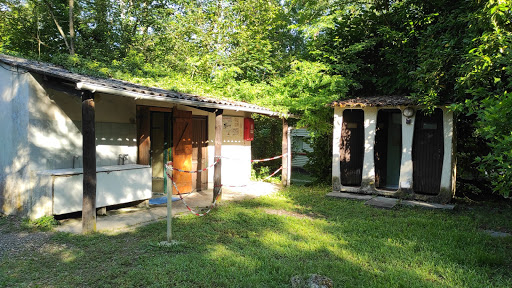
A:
x,y
392,147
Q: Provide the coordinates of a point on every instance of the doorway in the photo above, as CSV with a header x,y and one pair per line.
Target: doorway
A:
x,y
428,152
199,152
165,135
352,147
388,149
190,151
161,143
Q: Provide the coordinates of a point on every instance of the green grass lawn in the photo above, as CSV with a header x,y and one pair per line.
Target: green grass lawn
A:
x,y
266,241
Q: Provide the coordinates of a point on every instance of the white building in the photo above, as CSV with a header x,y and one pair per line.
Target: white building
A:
x,y
136,129
389,146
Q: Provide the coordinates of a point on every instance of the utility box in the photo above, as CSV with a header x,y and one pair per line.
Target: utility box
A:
x,y
248,129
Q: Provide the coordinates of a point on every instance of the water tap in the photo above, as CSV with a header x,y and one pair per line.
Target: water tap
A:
x,y
75,157
122,158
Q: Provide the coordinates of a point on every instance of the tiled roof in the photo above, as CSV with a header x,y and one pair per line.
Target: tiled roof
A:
x,y
375,101
123,87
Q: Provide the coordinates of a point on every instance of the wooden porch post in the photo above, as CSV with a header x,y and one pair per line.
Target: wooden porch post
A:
x,y
217,181
284,172
289,166
89,163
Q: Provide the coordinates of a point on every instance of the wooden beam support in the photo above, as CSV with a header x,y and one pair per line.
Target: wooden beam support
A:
x,y
217,181
89,163
159,109
284,172
59,85
206,109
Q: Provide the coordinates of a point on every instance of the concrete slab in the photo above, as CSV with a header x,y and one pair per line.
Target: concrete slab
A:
x,y
427,205
343,195
382,202
129,218
497,234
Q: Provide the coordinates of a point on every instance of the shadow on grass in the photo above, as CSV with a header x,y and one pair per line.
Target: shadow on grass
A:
x,y
242,245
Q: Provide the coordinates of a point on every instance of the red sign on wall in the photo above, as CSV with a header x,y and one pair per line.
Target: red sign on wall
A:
x,y
248,129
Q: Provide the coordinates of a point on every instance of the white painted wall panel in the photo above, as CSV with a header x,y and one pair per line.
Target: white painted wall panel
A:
x,y
236,164
336,141
446,178
114,186
15,182
406,160
236,167
370,124
55,129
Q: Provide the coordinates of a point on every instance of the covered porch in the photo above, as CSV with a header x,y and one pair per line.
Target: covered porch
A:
x,y
94,143
131,217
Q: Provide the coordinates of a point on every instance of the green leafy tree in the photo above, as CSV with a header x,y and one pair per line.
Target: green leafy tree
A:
x,y
295,56
488,81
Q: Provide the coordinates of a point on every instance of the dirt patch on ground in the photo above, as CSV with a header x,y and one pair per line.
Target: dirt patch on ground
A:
x,y
13,240
291,214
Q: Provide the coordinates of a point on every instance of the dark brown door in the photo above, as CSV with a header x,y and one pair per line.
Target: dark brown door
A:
x,y
428,152
182,150
380,149
199,152
143,139
352,147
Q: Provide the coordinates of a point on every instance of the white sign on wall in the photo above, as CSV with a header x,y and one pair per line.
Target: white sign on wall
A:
x,y
233,128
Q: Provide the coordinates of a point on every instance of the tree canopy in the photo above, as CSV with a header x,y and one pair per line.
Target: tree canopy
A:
x,y
296,56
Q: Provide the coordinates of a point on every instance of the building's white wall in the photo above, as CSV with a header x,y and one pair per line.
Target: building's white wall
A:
x,y
370,125
336,142
211,147
446,176
55,129
236,152
55,137
15,183
406,162
116,133
54,132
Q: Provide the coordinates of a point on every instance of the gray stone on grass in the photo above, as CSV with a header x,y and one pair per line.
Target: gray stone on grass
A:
x,y
314,281
337,194
497,234
382,202
428,205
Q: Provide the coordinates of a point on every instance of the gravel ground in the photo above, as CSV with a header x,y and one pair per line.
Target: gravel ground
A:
x,y
13,240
